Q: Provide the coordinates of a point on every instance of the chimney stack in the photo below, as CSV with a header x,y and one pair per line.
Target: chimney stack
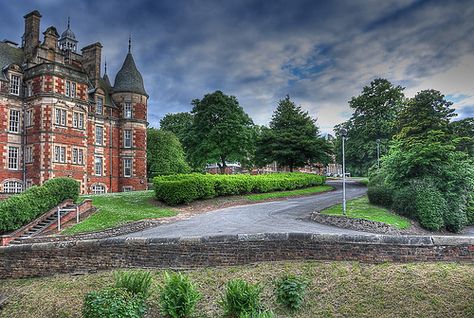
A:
x,y
91,58
32,33
51,37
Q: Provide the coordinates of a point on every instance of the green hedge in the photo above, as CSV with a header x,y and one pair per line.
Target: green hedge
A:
x,y
380,195
185,188
23,208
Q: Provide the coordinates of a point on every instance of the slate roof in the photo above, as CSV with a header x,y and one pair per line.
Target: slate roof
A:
x,y
9,55
104,84
129,79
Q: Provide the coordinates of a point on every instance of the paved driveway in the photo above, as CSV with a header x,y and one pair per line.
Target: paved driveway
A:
x,y
269,217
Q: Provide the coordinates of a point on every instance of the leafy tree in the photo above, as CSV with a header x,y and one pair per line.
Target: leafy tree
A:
x,y
221,131
293,138
463,132
374,117
178,123
165,153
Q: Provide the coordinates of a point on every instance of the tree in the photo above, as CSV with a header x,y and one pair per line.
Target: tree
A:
x,y
293,138
374,117
463,133
221,131
178,123
165,153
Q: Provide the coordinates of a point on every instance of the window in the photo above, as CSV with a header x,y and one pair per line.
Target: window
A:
x,y
12,187
127,110
60,117
14,125
68,88
127,167
13,157
29,154
29,89
99,108
77,156
15,85
59,154
98,189
78,120
98,166
73,89
29,118
127,189
99,135
127,138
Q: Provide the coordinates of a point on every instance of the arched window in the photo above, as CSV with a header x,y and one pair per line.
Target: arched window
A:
x,y
98,188
12,187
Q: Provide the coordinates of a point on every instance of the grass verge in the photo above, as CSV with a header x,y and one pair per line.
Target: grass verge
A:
x,y
362,209
291,193
336,289
115,209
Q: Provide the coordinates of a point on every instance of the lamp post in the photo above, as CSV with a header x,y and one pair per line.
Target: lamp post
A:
x,y
378,153
344,135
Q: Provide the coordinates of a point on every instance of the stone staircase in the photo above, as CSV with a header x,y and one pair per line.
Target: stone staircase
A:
x,y
44,224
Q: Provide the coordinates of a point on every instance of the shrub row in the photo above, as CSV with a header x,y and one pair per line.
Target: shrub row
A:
x,y
23,208
185,188
179,297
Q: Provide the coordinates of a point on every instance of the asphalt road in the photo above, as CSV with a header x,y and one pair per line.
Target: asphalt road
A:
x,y
291,215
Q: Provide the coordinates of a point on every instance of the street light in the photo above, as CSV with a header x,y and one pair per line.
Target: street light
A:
x,y
378,153
344,135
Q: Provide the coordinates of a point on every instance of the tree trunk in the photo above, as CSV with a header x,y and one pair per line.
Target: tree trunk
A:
x,y
223,165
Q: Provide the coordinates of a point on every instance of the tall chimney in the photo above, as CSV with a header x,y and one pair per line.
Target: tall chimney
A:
x,y
51,37
32,33
91,58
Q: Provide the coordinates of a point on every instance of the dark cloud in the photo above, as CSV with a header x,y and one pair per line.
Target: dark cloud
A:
x,y
321,53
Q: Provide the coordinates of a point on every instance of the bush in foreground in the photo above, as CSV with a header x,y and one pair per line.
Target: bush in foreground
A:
x,y
113,303
179,296
290,291
23,208
241,299
136,282
186,188
380,195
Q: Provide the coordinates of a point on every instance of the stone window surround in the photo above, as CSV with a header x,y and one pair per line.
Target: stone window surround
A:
x,y
14,120
13,158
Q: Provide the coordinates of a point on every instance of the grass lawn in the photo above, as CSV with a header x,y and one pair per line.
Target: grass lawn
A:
x,y
115,209
336,289
362,209
282,194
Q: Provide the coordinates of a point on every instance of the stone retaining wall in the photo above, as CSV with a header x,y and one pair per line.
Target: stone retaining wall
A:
x,y
44,259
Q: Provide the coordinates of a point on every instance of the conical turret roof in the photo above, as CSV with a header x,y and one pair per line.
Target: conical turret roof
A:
x,y
129,79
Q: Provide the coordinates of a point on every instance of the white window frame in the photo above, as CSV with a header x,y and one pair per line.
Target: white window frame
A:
x,y
59,154
75,155
29,118
80,156
13,158
127,167
99,137
67,90
127,189
99,106
12,187
14,121
99,170
78,120
73,89
127,141
60,117
98,188
28,154
127,110
29,89
15,82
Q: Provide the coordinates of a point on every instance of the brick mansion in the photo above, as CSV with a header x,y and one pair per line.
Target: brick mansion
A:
x,y
61,118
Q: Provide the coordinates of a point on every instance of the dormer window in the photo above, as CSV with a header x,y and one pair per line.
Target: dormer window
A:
x,y
15,85
127,110
99,108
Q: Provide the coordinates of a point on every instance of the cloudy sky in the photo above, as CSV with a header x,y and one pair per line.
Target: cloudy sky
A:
x,y
319,52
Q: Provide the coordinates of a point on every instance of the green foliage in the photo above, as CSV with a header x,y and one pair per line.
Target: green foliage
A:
x,y
178,123
221,131
258,314
403,202
290,291
463,132
179,296
292,140
165,154
23,208
241,298
186,188
135,282
113,303
470,211
429,204
374,117
380,195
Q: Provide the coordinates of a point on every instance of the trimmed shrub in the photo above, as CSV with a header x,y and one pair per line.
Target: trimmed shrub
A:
x,y
241,298
113,303
185,188
470,212
403,202
429,204
290,291
179,296
380,195
20,209
135,282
